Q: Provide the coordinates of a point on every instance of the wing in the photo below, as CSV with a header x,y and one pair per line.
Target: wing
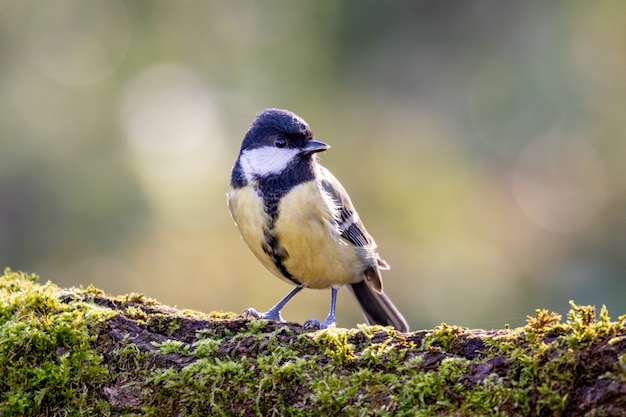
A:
x,y
351,228
348,222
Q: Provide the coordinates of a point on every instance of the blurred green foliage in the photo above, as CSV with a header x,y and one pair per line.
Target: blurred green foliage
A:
x,y
482,143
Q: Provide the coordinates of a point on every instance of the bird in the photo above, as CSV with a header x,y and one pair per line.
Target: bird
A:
x,y
300,223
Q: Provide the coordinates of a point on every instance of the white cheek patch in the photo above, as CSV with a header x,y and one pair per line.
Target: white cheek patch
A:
x,y
261,162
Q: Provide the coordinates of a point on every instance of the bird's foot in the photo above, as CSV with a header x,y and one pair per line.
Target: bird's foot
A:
x,y
272,314
328,322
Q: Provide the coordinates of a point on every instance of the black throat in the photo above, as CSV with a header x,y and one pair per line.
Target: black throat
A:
x,y
273,187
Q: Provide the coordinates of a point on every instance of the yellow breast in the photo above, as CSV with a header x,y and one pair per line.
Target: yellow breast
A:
x,y
248,211
318,257
305,227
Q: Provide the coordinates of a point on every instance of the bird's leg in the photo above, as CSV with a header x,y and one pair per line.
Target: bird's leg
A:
x,y
274,312
330,320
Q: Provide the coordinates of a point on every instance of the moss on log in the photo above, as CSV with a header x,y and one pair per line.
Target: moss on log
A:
x,y
72,352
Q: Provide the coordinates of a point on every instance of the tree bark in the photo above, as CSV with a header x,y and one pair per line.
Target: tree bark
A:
x,y
82,352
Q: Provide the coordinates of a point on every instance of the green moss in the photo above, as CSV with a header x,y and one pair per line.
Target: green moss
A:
x,y
164,362
224,315
136,313
335,345
375,371
442,337
48,364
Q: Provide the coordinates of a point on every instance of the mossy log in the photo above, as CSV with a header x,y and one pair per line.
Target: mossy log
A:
x,y
70,352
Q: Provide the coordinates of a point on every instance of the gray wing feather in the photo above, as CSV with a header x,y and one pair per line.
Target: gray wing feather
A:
x,y
376,306
348,223
351,228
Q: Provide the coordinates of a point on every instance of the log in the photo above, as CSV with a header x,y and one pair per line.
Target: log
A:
x,y
79,351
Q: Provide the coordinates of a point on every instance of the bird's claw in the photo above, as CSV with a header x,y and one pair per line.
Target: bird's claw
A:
x,y
330,321
268,315
312,324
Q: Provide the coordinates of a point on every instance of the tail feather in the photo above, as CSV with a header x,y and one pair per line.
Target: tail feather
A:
x,y
377,307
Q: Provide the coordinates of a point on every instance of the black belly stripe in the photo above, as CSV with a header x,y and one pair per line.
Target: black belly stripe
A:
x,y
272,189
278,254
271,245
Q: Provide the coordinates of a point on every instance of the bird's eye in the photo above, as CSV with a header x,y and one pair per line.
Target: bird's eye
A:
x,y
280,142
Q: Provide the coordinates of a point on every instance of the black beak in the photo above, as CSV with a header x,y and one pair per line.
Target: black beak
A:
x,y
314,146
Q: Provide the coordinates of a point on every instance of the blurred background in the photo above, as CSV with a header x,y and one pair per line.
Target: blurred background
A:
x,y
482,143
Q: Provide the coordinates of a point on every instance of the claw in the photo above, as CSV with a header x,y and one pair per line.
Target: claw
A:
x,y
330,321
251,313
272,314
312,324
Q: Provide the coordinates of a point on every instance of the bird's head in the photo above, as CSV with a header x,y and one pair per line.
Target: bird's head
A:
x,y
277,140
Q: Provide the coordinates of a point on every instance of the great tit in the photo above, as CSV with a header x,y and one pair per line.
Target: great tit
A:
x,y
300,223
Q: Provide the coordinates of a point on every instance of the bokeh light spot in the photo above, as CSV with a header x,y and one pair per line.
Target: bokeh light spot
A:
x,y
167,110
171,125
